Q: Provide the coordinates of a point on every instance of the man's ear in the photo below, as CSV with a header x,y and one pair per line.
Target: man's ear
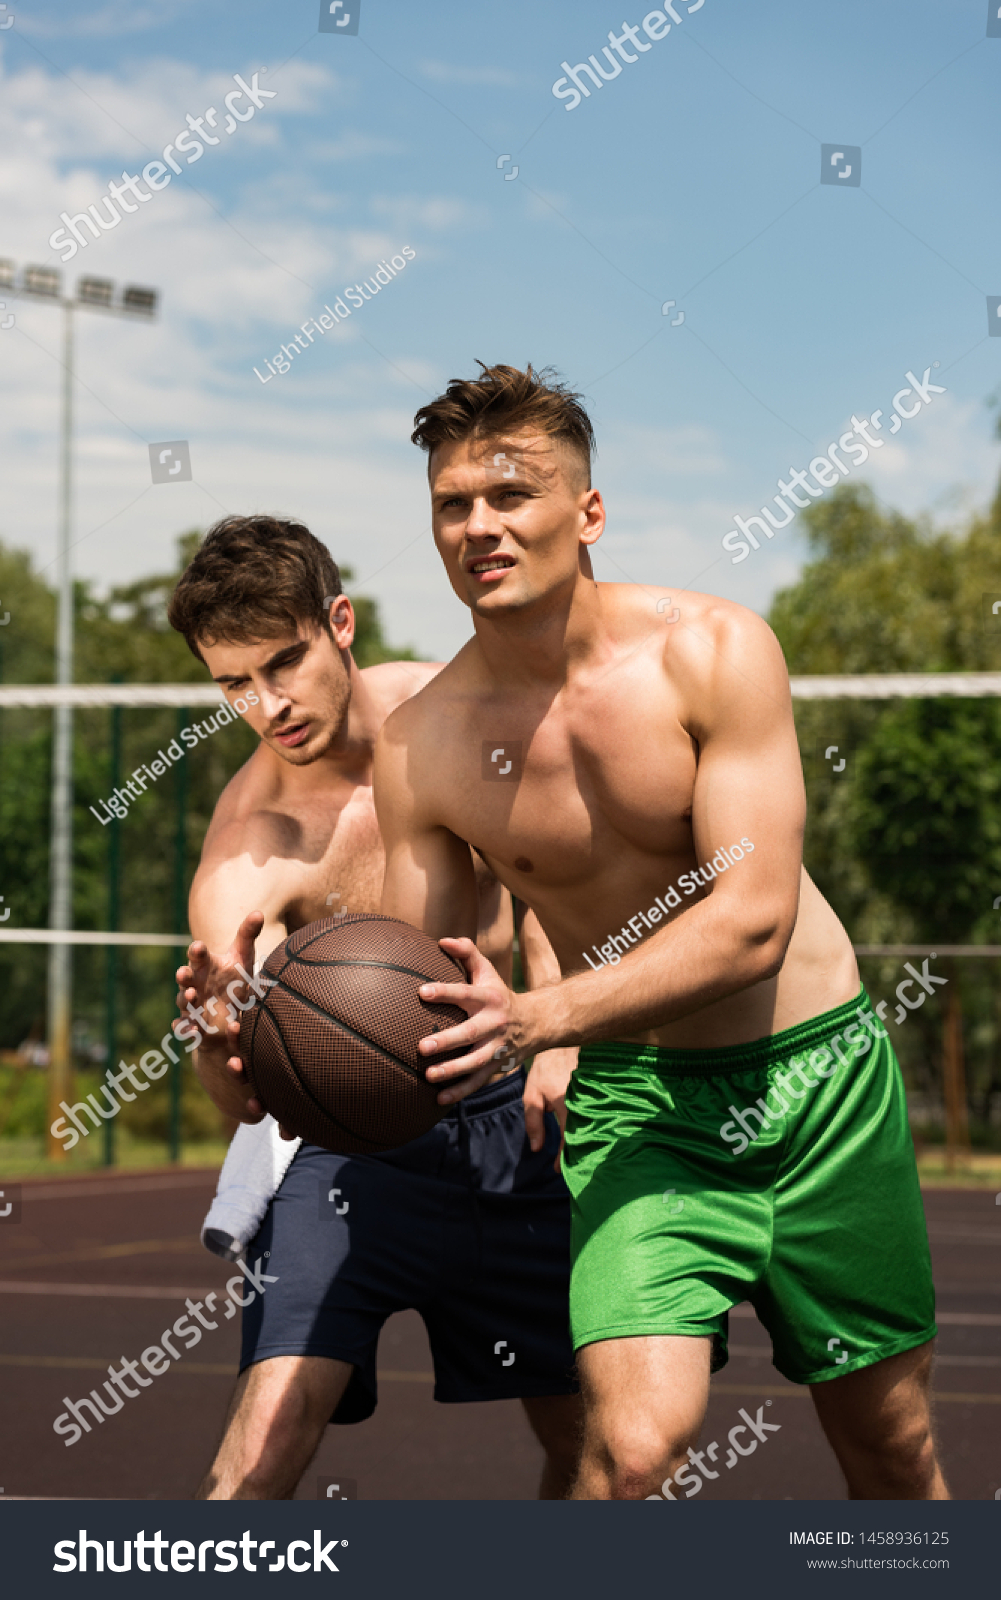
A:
x,y
342,621
593,509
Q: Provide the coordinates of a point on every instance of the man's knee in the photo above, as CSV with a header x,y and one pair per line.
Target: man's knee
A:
x,y
636,1460
907,1446
885,1434
278,1418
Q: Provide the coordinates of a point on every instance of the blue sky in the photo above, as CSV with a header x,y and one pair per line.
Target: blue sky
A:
x,y
694,175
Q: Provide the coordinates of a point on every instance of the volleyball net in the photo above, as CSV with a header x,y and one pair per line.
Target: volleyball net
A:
x,y
186,696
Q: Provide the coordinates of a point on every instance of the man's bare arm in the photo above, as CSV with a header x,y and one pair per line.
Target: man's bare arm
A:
x,y
494,921
749,785
230,891
551,1071
430,880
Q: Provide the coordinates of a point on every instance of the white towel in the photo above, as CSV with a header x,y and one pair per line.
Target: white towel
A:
x,y
252,1173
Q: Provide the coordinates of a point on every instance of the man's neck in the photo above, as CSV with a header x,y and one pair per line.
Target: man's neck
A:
x,y
543,644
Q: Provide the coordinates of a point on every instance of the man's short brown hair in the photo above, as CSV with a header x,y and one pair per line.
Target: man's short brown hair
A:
x,y
254,578
503,401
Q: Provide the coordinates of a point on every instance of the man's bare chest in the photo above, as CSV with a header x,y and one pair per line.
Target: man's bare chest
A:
x,y
569,794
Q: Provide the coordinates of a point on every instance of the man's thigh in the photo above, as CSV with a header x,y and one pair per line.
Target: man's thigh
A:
x,y
276,1419
651,1386
880,1405
306,1388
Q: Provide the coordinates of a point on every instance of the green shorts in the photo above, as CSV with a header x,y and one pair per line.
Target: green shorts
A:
x,y
780,1172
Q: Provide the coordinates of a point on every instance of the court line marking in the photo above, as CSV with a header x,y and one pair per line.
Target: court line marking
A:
x,y
211,1369
760,1352
979,1235
110,1291
802,1392
98,1364
954,1319
129,1291
75,1190
111,1252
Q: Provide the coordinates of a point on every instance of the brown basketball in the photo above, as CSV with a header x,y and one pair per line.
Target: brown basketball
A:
x,y
331,1050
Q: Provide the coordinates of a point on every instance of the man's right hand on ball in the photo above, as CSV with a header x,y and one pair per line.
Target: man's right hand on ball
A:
x,y
212,992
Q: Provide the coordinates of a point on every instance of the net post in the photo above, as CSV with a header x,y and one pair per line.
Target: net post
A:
x,y
180,919
111,970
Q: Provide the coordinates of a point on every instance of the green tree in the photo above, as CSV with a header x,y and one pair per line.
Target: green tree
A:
x,y
907,843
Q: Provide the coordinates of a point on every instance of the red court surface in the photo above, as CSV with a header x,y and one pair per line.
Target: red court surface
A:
x,y
98,1266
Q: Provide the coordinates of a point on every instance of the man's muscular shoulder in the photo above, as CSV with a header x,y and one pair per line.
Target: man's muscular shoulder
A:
x,y
714,652
392,682
245,806
437,697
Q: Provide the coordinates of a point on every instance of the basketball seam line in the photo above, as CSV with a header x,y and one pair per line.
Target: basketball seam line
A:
x,y
360,1037
354,918
389,966
328,1115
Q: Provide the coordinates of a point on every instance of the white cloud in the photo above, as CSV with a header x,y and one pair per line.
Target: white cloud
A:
x,y
112,19
130,118
329,441
320,443
944,461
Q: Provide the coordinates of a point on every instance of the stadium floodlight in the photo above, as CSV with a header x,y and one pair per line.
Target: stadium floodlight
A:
x,y
139,302
95,291
45,281
93,294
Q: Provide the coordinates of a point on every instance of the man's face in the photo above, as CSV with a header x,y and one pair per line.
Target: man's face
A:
x,y
511,518
301,680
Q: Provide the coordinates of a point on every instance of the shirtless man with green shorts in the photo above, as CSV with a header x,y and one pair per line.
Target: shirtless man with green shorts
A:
x,y
634,776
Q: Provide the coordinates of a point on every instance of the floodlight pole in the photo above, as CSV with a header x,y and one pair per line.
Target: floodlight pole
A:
x,y
60,984
95,294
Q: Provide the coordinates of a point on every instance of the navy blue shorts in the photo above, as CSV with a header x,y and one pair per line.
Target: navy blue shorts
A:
x,y
465,1225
